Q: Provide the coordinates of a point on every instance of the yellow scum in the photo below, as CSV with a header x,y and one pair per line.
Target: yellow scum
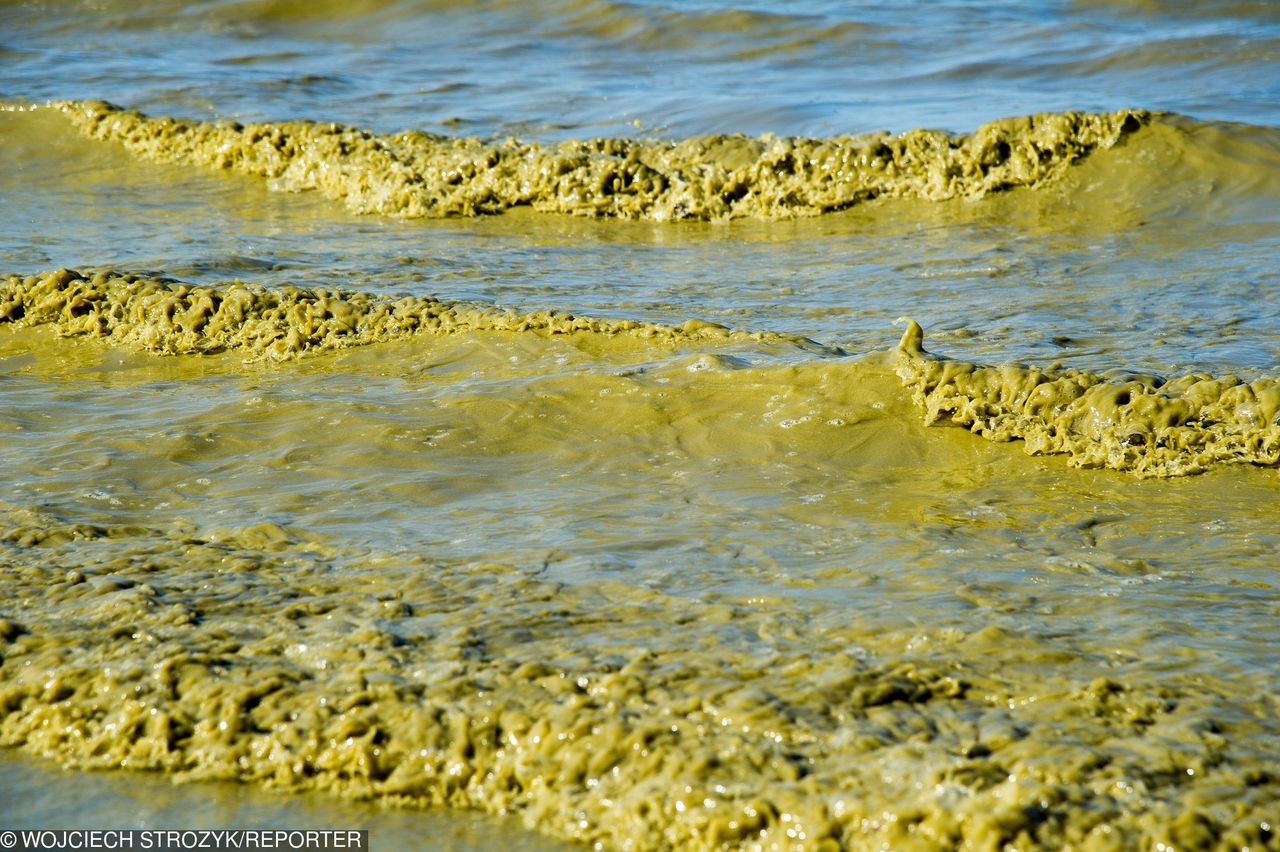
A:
x,y
168,317
252,658
416,174
1140,424
1134,423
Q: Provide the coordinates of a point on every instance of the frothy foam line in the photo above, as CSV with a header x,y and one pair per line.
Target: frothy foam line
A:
x,y
1141,424
416,174
169,317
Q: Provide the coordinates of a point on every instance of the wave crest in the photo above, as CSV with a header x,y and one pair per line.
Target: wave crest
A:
x,y
416,174
1141,424
169,317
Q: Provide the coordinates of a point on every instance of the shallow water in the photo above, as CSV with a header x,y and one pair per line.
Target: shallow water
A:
x,y
641,530
38,795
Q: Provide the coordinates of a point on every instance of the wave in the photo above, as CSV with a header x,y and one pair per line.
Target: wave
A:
x,y
729,31
165,316
416,174
1142,424
1245,9
1137,423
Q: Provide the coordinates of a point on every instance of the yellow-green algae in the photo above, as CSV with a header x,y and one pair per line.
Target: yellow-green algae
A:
x,y
416,174
1128,422
605,712
166,316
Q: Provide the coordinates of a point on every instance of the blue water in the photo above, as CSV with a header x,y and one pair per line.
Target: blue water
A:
x,y
574,67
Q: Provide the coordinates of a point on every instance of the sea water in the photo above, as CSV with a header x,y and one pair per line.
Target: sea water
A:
x,y
654,425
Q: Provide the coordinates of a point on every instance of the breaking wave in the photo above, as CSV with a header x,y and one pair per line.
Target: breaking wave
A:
x,y
415,174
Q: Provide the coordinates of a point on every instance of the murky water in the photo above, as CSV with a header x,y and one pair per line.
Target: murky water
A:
x,y
567,462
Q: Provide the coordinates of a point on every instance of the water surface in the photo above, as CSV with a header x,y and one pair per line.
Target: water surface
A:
x,y
646,531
